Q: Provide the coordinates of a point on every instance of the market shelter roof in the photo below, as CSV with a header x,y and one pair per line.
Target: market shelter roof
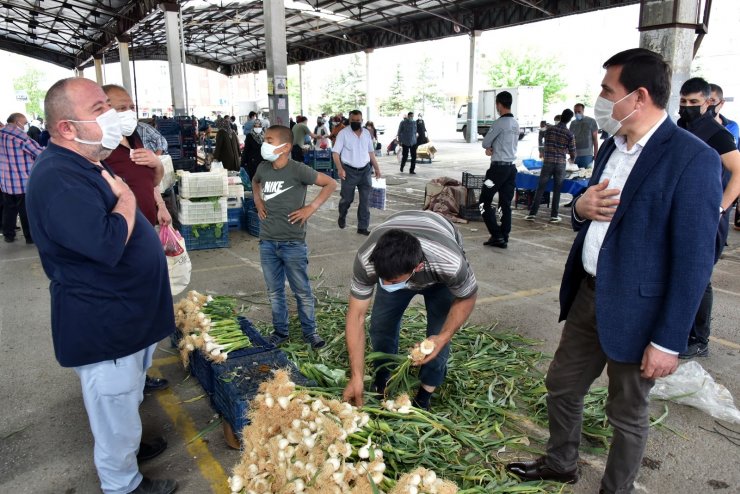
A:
x,y
229,36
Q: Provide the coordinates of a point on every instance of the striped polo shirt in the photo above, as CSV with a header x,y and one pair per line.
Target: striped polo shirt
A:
x,y
444,257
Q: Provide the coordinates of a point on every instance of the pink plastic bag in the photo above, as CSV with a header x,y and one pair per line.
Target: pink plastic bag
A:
x,y
171,241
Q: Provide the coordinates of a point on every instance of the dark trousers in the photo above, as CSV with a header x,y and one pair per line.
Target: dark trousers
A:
x,y
503,178
557,172
578,361
385,326
13,206
703,320
361,179
405,156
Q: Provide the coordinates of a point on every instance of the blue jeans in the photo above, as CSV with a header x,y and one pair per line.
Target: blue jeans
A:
x,y
281,260
112,391
362,179
584,161
557,172
385,325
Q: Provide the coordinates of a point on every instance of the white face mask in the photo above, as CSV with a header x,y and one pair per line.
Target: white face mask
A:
x,y
128,122
257,130
268,151
109,125
603,114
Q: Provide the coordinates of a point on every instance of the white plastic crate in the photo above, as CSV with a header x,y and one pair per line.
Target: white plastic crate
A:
x,y
202,212
236,191
204,184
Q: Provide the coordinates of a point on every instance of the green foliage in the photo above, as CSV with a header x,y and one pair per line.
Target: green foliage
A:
x,y
346,91
528,69
397,102
31,83
427,93
294,95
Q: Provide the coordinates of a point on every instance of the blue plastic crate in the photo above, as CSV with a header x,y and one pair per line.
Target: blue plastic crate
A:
x,y
531,164
235,217
251,218
199,237
236,383
318,154
203,369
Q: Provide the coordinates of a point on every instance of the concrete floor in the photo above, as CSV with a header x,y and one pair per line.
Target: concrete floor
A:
x,y
46,445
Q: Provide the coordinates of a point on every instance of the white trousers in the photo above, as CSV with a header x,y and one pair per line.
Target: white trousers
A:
x,y
112,391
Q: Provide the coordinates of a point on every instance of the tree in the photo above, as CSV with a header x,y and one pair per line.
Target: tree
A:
x,y
30,82
427,91
346,91
528,69
294,95
396,102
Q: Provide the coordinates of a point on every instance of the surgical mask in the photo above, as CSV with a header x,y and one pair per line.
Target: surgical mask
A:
x,y
257,130
712,110
355,125
579,116
128,122
268,151
603,114
111,127
689,113
394,287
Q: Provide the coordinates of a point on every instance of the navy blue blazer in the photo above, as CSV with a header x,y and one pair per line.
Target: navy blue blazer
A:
x,y
657,255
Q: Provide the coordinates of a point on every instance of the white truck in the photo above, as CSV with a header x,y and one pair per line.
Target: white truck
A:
x,y
527,107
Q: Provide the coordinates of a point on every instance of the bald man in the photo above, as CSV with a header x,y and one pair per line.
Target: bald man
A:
x,y
110,291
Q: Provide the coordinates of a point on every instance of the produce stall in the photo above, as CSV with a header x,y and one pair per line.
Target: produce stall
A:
x,y
301,438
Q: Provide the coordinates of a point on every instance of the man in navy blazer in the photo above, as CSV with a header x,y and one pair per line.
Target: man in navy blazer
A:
x,y
636,272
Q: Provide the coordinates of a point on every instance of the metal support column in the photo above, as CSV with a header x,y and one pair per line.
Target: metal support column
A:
x,y
472,123
123,42
669,27
98,61
174,57
301,65
277,61
370,96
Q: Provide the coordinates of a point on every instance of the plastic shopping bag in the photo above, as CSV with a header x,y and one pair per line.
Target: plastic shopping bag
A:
x,y
693,386
178,260
377,196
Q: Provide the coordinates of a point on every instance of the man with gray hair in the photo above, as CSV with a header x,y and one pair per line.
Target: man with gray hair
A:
x,y
110,292
17,154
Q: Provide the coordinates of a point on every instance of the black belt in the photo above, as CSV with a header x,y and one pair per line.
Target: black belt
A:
x,y
354,167
501,163
591,281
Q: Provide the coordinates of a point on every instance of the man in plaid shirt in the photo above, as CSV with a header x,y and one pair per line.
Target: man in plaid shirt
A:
x,y
558,141
17,154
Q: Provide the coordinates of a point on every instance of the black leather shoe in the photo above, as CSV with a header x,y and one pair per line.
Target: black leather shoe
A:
x,y
412,173
363,232
538,470
151,449
496,242
155,384
158,486
341,223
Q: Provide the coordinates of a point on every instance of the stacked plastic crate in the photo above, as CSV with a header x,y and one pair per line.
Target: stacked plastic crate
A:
x,y
321,161
202,209
474,184
181,136
235,202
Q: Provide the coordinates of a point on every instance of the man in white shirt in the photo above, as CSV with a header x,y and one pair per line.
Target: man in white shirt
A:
x,y
353,155
636,272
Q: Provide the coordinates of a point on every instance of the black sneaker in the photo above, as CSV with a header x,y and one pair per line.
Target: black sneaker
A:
x,y
379,384
158,486
155,384
314,340
695,350
341,223
363,231
276,339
